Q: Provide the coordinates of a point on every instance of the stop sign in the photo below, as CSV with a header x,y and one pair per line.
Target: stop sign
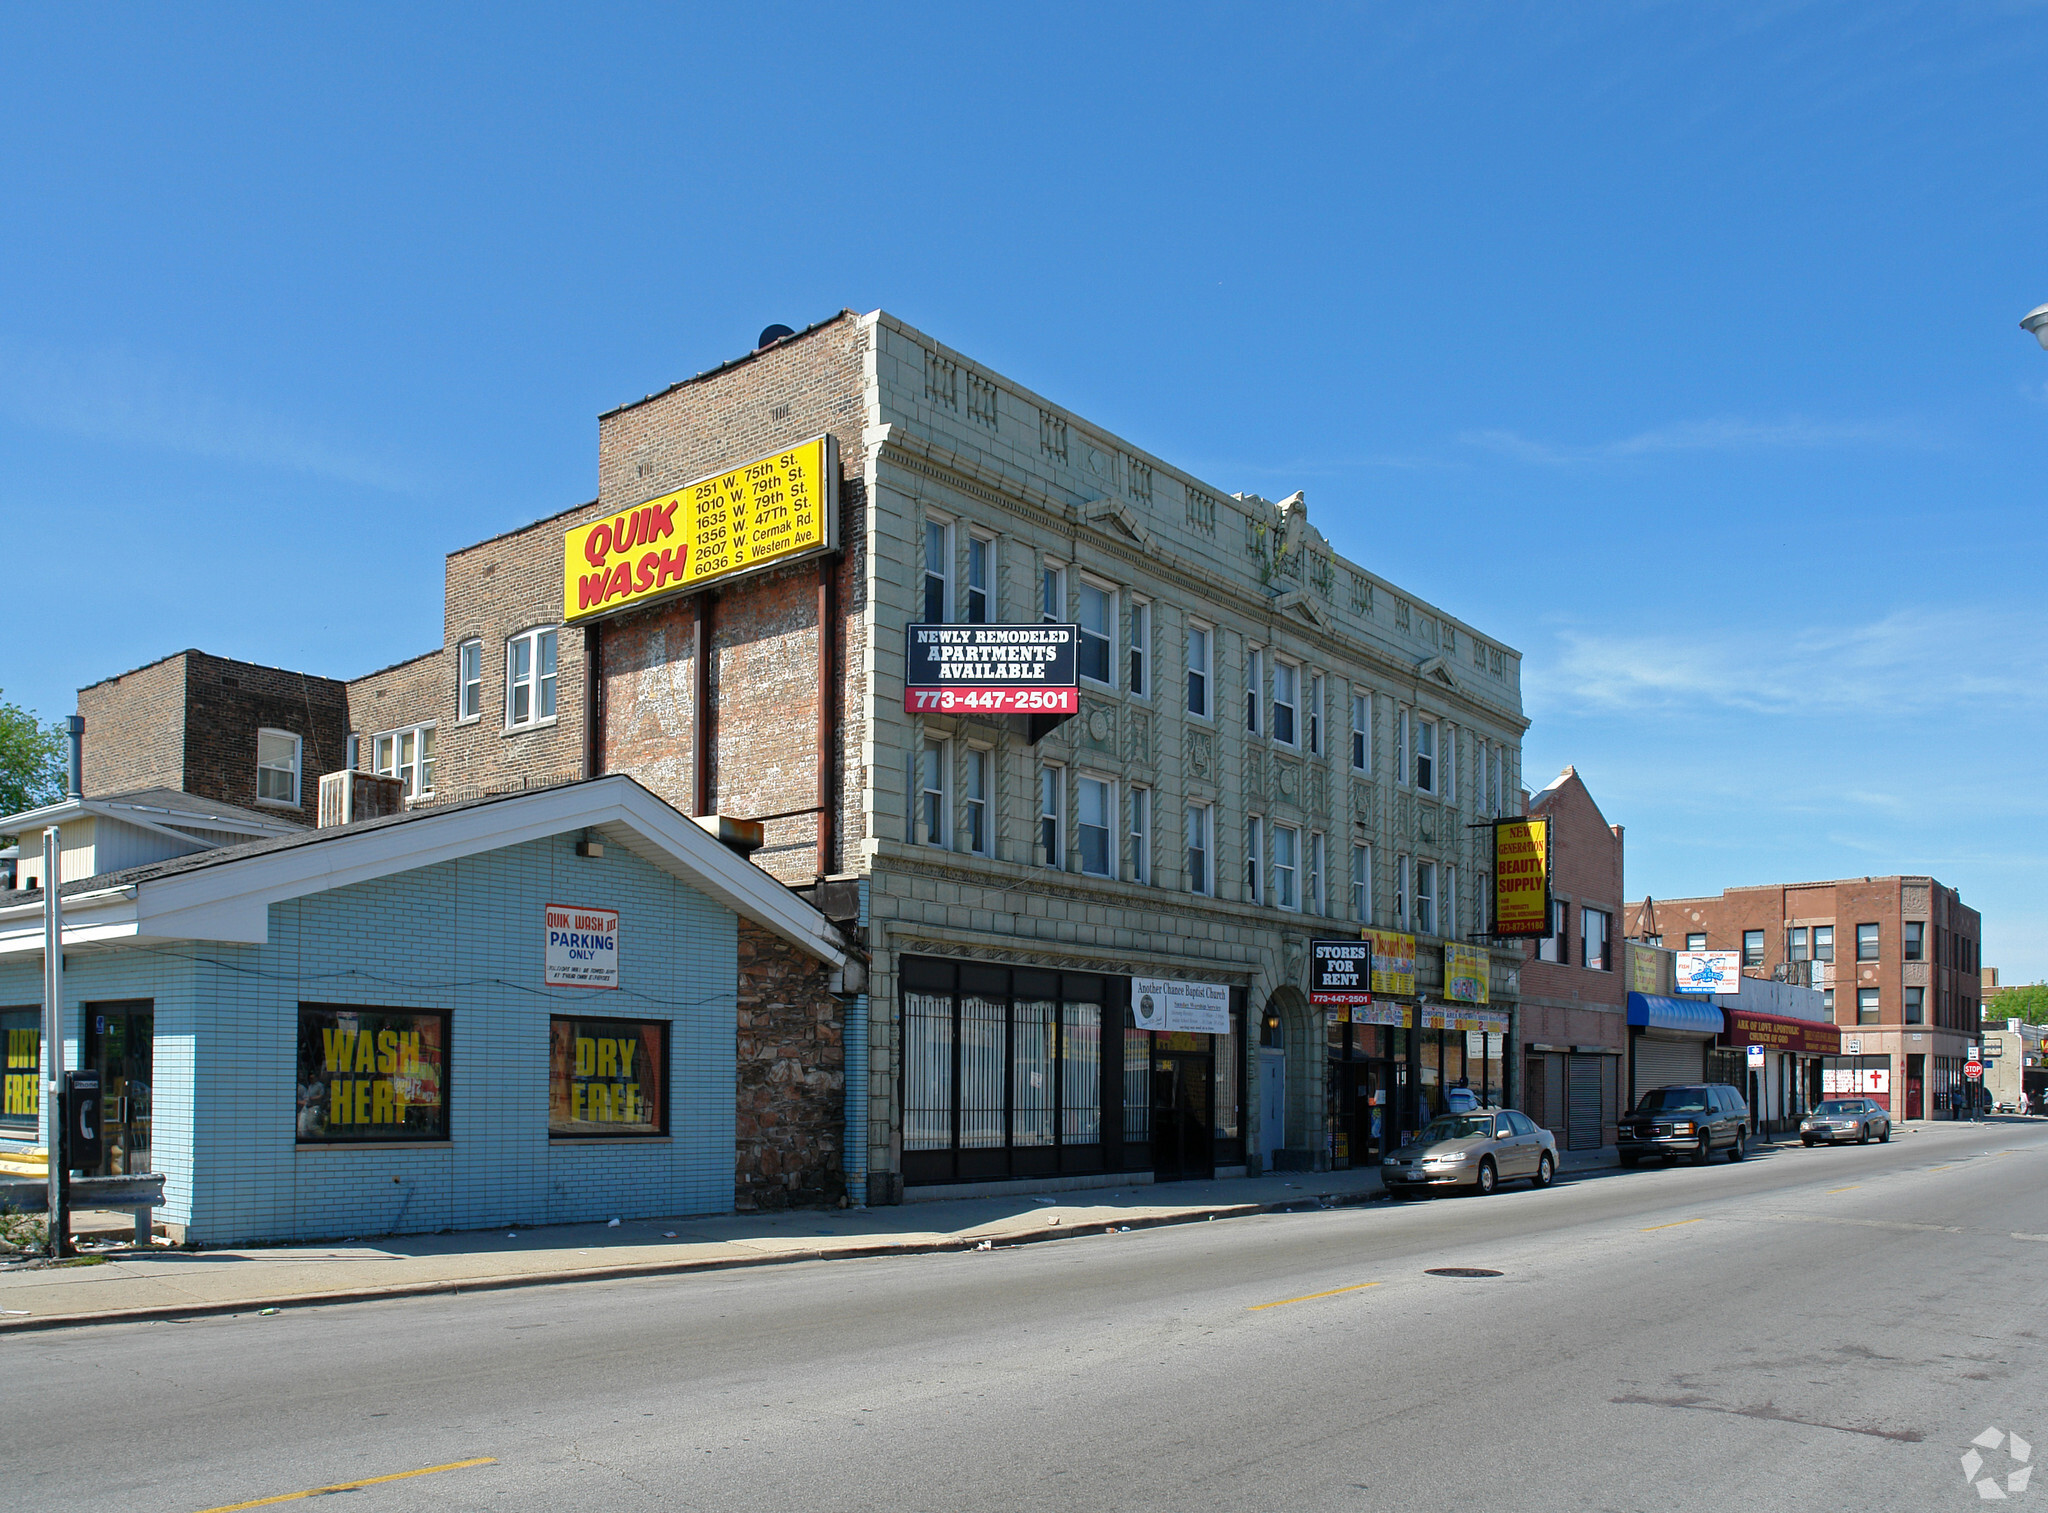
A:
x,y
1973,1070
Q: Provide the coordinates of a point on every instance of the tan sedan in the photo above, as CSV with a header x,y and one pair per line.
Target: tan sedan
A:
x,y
1480,1150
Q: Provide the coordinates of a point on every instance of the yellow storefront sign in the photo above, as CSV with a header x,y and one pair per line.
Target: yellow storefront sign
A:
x,y
1521,877
1393,961
1465,974
755,515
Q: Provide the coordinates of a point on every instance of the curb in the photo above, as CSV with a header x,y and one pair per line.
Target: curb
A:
x,y
1308,1202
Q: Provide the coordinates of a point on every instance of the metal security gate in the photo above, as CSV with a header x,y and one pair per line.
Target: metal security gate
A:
x,y
1583,1125
1660,1062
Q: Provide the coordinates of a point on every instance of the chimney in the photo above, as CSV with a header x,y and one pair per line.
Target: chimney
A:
x,y
74,725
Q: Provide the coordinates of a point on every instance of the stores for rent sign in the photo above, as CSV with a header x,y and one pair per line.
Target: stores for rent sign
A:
x,y
1162,1004
1521,877
761,513
1340,973
582,947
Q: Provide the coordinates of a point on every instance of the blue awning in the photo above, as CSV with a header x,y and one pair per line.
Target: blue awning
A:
x,y
1694,1015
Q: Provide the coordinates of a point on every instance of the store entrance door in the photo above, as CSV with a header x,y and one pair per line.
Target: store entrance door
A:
x,y
1183,1144
1371,1100
120,1042
1272,1102
1916,1077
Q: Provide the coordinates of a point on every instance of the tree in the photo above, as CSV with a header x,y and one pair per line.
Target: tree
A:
x,y
2029,1003
32,765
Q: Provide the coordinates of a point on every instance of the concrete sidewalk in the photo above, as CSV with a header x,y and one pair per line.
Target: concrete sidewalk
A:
x,y
131,1284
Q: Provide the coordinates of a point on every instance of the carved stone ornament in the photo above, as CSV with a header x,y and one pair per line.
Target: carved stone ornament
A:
x,y
1100,723
1255,775
1425,823
1201,754
1317,800
1287,780
1137,736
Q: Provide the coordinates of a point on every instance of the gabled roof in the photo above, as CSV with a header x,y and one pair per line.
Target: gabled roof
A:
x,y
165,810
225,894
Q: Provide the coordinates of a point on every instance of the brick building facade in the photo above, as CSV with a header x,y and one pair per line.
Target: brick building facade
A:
x,y
1897,958
1574,993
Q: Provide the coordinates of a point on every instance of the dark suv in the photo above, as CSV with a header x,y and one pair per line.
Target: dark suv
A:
x,y
1691,1119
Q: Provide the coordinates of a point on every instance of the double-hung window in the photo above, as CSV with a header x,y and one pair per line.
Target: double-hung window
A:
x,y
1401,892
1286,694
1286,865
1866,942
1198,670
1254,853
1752,948
1425,755
1595,928
1823,943
1312,874
407,755
979,836
931,793
1916,1005
1095,825
1916,940
1052,595
1141,835
1552,946
277,767
1254,687
1361,732
1796,948
1867,1006
530,679
1425,898
1493,781
1361,884
1315,714
1401,773
981,554
938,569
1141,647
1098,631
1051,811
1447,775
1696,941
469,680
1449,911
1200,825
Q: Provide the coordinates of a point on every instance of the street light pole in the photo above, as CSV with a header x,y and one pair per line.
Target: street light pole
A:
x,y
53,1034
2036,321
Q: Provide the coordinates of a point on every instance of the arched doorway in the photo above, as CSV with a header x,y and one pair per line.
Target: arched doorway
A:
x,y
1272,1083
1290,1073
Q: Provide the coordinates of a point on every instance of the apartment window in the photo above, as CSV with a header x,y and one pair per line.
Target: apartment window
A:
x,y
1198,670
1493,781
1286,690
1361,732
1450,904
407,755
1916,1005
1141,835
978,833
1312,875
1254,852
1315,714
1482,906
1200,823
1254,683
1050,812
1448,777
277,767
530,679
1425,898
1866,1006
1425,755
1096,825
1361,884
1141,647
1866,942
980,575
1052,596
1098,627
1400,892
1551,947
1401,746
1827,1001
1286,865
1823,942
931,793
1752,948
1696,941
1595,928
1916,940
469,694
938,569
1795,944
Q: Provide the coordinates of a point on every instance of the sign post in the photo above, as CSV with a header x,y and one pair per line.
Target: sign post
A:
x,y
53,1036
1756,1057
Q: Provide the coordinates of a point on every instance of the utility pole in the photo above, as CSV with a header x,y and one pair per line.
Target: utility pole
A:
x,y
53,1034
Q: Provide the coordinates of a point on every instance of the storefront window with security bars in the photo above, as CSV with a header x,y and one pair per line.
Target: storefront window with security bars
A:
x,y
1007,1073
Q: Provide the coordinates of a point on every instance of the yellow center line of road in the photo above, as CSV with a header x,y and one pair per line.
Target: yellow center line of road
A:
x,y
1673,1224
1849,1189
1305,1298
1941,1168
351,1486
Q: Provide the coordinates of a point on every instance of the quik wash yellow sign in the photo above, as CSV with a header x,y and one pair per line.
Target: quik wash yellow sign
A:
x,y
760,513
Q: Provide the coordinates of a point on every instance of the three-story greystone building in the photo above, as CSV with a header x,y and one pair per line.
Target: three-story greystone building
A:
x,y
1273,744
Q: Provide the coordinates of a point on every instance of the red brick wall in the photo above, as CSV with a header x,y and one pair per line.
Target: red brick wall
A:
x,y
790,1118
410,693
1586,861
135,729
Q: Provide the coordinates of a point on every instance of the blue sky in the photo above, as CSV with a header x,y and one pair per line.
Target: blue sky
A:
x,y
1675,344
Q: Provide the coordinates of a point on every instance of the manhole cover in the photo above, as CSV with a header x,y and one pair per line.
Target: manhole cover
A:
x,y
1461,1271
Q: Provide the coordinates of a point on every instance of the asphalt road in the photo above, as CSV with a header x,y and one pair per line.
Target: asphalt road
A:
x,y
1822,1329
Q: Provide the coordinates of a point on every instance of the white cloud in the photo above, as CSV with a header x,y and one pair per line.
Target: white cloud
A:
x,y
1909,661
116,396
1725,434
